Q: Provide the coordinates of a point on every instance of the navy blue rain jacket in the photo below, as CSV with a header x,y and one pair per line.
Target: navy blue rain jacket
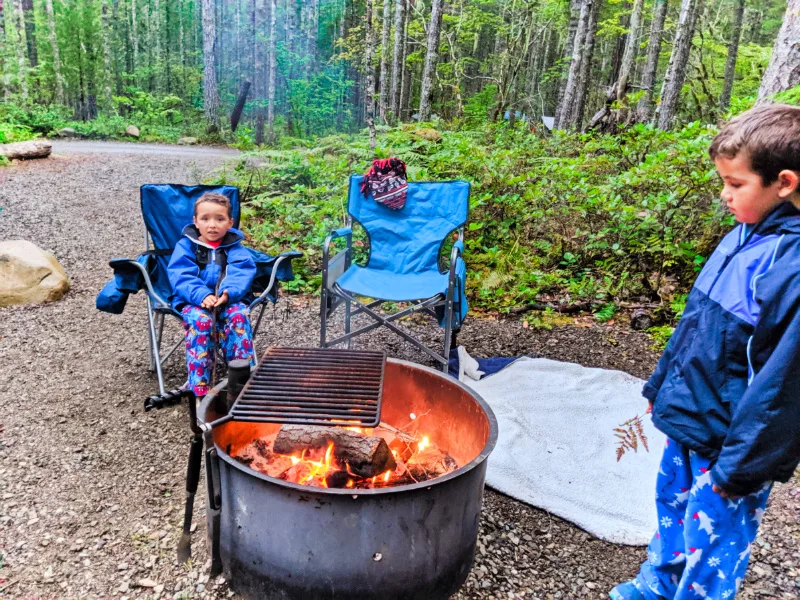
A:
x,y
728,384
191,281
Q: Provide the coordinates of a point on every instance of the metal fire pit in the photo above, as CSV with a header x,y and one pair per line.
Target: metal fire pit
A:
x,y
280,540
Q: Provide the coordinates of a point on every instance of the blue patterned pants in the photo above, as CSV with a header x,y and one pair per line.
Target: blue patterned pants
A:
x,y
702,545
235,339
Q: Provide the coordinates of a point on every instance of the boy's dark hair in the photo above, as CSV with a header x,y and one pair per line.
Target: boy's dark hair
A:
x,y
769,134
214,198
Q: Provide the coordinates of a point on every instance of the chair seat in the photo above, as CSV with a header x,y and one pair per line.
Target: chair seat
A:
x,y
385,285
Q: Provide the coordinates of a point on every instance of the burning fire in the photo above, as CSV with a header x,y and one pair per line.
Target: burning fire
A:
x,y
313,468
327,463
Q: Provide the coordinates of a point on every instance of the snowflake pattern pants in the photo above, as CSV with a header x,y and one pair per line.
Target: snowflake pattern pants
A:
x,y
702,545
235,339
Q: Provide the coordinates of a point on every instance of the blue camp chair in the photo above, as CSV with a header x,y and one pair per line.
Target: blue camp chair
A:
x,y
403,265
166,210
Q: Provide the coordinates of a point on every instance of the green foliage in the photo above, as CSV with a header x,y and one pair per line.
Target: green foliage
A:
x,y
606,312
10,132
660,336
580,217
159,118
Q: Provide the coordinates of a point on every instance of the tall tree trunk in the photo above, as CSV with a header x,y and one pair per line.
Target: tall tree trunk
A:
x,y
168,46
631,49
733,51
384,84
182,45
676,71
570,98
260,68
108,74
369,51
783,72
406,74
210,92
30,33
134,40
22,45
51,34
582,89
397,57
272,71
430,61
90,50
155,23
569,45
3,55
645,106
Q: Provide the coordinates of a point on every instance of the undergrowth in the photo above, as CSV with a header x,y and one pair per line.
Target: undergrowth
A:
x,y
566,218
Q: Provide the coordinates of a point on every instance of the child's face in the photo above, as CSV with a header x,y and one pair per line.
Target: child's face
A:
x,y
212,221
745,194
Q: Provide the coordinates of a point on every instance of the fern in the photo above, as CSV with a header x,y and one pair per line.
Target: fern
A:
x,y
630,435
606,313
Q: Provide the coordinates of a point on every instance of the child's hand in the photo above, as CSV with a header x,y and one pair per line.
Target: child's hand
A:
x,y
209,302
723,493
649,408
222,299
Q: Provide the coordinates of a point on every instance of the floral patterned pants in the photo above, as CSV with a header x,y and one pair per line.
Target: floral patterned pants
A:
x,y
702,545
235,339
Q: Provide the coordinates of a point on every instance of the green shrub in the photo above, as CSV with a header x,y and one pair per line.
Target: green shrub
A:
x,y
572,217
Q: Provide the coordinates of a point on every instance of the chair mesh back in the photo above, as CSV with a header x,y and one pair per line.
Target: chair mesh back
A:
x,y
408,240
168,208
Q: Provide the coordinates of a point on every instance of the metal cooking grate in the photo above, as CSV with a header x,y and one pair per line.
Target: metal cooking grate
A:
x,y
314,386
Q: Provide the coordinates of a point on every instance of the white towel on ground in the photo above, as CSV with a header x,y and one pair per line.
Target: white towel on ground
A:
x,y
556,449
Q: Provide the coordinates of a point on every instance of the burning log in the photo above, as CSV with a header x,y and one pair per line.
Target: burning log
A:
x,y
366,456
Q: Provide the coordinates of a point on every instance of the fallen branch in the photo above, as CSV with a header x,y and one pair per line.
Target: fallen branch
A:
x,y
566,309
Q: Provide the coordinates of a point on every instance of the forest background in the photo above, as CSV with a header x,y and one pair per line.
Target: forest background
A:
x,y
582,125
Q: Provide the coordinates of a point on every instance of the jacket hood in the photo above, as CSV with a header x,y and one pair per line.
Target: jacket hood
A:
x,y
232,237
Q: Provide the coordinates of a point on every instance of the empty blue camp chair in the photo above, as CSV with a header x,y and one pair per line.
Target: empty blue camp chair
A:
x,y
403,265
166,210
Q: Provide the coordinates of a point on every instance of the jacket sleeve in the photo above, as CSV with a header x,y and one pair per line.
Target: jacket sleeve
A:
x,y
239,274
762,443
650,390
184,276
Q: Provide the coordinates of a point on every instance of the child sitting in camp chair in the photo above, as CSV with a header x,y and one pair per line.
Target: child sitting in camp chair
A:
x,y
210,270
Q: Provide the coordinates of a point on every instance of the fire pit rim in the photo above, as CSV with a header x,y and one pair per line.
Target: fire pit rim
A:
x,y
482,456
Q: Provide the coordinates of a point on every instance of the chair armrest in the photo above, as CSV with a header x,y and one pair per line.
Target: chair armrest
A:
x,y
345,232
145,276
458,250
263,296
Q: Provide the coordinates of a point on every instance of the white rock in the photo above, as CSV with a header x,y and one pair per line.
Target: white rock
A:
x,y
29,275
187,141
132,131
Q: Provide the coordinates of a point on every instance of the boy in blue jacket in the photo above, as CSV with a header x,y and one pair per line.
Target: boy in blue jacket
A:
x,y
208,258
726,392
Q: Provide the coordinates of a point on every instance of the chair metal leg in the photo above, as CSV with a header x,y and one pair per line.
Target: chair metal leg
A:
x,y
160,324
323,317
255,329
154,346
448,328
151,361
347,315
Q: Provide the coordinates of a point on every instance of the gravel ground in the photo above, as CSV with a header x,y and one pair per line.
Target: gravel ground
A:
x,y
91,487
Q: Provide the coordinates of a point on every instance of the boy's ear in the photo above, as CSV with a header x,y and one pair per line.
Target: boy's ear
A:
x,y
788,181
